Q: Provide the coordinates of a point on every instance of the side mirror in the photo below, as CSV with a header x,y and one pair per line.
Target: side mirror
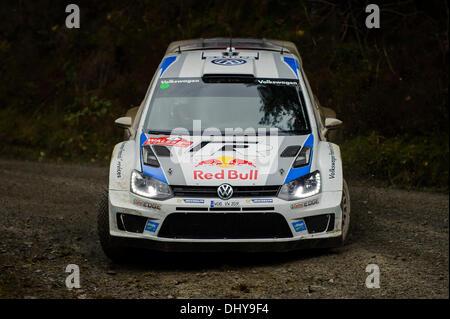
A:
x,y
332,123
123,122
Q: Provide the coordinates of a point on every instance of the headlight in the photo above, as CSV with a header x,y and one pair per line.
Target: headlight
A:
x,y
302,187
150,187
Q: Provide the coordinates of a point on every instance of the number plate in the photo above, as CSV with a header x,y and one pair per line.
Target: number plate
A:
x,y
220,203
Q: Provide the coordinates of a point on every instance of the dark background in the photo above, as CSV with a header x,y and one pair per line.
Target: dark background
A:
x,y
61,89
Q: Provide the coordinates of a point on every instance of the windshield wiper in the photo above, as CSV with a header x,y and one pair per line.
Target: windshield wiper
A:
x,y
158,132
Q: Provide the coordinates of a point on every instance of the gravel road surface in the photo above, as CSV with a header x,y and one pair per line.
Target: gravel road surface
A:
x,y
48,220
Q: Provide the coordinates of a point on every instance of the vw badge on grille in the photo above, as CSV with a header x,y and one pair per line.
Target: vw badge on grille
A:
x,y
225,191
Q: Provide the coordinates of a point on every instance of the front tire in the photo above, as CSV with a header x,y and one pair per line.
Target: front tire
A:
x,y
109,244
345,208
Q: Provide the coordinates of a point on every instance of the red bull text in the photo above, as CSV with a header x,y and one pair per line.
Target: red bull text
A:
x,y
229,174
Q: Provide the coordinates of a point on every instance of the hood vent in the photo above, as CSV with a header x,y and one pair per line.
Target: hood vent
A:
x,y
161,150
290,151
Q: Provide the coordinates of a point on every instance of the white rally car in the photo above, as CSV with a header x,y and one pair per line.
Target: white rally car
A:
x,y
228,151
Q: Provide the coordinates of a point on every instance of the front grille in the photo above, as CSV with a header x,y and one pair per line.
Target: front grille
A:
x,y
257,208
131,223
238,191
225,226
225,209
187,208
319,223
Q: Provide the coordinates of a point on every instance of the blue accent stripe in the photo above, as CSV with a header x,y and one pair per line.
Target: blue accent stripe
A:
x,y
166,63
293,63
143,138
295,173
155,172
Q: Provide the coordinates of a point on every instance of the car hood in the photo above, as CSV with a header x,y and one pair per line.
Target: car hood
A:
x,y
214,160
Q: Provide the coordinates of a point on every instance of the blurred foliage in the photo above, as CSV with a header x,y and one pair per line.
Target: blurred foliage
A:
x,y
417,161
61,89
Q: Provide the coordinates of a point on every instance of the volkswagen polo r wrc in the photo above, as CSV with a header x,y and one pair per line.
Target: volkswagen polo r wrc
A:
x,y
228,151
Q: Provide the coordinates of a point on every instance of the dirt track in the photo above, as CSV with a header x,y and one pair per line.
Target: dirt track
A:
x,y
48,220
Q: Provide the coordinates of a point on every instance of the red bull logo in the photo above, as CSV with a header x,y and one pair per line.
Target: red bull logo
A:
x,y
225,162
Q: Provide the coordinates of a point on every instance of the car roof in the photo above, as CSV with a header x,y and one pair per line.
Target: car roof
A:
x,y
226,57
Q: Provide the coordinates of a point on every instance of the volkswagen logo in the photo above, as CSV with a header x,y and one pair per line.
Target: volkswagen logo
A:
x,y
227,62
225,191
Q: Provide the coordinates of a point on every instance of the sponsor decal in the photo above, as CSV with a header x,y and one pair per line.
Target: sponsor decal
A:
x,y
119,154
296,205
299,226
305,204
164,86
167,141
259,201
277,82
225,162
191,201
215,203
119,169
188,81
311,202
332,169
230,174
229,62
119,161
151,226
147,204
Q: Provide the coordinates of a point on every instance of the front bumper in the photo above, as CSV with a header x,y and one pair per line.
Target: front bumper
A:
x,y
295,215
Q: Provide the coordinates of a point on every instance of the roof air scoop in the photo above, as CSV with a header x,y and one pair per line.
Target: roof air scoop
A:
x,y
229,65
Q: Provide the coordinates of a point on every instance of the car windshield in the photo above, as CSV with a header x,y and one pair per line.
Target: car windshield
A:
x,y
224,104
